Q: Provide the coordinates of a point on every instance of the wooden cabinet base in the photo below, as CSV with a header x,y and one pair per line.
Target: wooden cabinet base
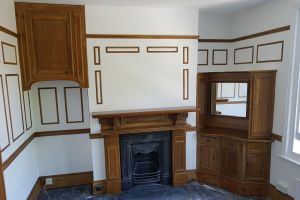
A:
x,y
113,186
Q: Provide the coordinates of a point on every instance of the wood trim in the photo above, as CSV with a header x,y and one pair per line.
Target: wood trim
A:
x,y
7,31
192,128
62,132
159,49
185,54
127,49
60,181
120,36
66,107
97,55
2,183
274,194
276,137
15,154
204,50
5,113
98,89
185,84
96,136
68,180
252,55
29,106
7,92
231,102
37,188
41,109
192,174
247,37
213,57
3,54
267,44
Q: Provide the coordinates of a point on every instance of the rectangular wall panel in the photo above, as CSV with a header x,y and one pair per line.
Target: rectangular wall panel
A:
x,y
73,104
9,53
122,49
243,55
220,57
48,105
15,105
185,84
270,52
185,55
98,82
27,108
4,131
202,56
162,49
97,60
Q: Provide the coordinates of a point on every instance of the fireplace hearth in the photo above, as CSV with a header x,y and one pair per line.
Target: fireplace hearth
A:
x,y
145,159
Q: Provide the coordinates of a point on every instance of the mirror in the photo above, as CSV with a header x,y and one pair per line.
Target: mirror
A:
x,y
229,99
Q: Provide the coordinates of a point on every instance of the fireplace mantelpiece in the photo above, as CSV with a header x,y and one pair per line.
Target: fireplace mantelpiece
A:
x,y
138,121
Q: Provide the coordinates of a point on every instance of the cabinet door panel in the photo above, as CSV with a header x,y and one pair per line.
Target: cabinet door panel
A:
x,y
208,158
262,94
230,163
257,167
52,45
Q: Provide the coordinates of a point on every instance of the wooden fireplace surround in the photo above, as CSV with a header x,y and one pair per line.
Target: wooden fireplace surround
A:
x,y
114,123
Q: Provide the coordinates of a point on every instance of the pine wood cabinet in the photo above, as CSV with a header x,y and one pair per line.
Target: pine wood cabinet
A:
x,y
52,43
234,152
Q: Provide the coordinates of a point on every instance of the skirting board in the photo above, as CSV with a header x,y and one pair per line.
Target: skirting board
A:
x,y
60,181
274,194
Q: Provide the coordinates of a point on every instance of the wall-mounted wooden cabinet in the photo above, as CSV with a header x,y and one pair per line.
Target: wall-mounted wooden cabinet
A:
x,y
52,43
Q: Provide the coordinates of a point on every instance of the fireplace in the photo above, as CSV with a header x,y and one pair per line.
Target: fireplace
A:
x,y
144,146
145,159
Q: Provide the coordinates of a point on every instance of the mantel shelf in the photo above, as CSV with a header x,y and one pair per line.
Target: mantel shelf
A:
x,y
144,112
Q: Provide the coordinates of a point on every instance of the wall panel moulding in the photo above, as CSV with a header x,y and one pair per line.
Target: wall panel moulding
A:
x,y
220,57
127,49
97,59
9,54
162,49
203,56
244,55
14,98
270,52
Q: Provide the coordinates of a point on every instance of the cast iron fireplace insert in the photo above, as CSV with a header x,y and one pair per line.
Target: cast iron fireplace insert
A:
x,y
145,159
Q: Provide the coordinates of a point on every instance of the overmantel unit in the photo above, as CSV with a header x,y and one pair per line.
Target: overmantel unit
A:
x,y
52,43
234,130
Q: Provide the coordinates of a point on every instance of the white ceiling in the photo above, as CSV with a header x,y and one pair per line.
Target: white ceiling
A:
x,y
209,6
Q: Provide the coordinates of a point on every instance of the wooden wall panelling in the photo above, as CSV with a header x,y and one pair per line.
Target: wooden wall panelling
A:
x,y
73,106
9,53
202,56
185,55
98,83
202,104
49,113
4,129
220,57
27,109
129,49
179,157
270,52
113,166
97,58
14,97
243,52
162,49
185,84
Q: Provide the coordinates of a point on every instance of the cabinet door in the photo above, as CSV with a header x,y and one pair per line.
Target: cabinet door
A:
x,y
262,104
208,158
51,42
230,163
257,167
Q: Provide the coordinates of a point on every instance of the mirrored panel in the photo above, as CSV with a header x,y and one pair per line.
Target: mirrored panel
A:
x,y
229,99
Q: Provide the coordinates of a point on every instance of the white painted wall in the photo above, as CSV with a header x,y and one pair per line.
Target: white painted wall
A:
x,y
7,15
140,80
272,14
